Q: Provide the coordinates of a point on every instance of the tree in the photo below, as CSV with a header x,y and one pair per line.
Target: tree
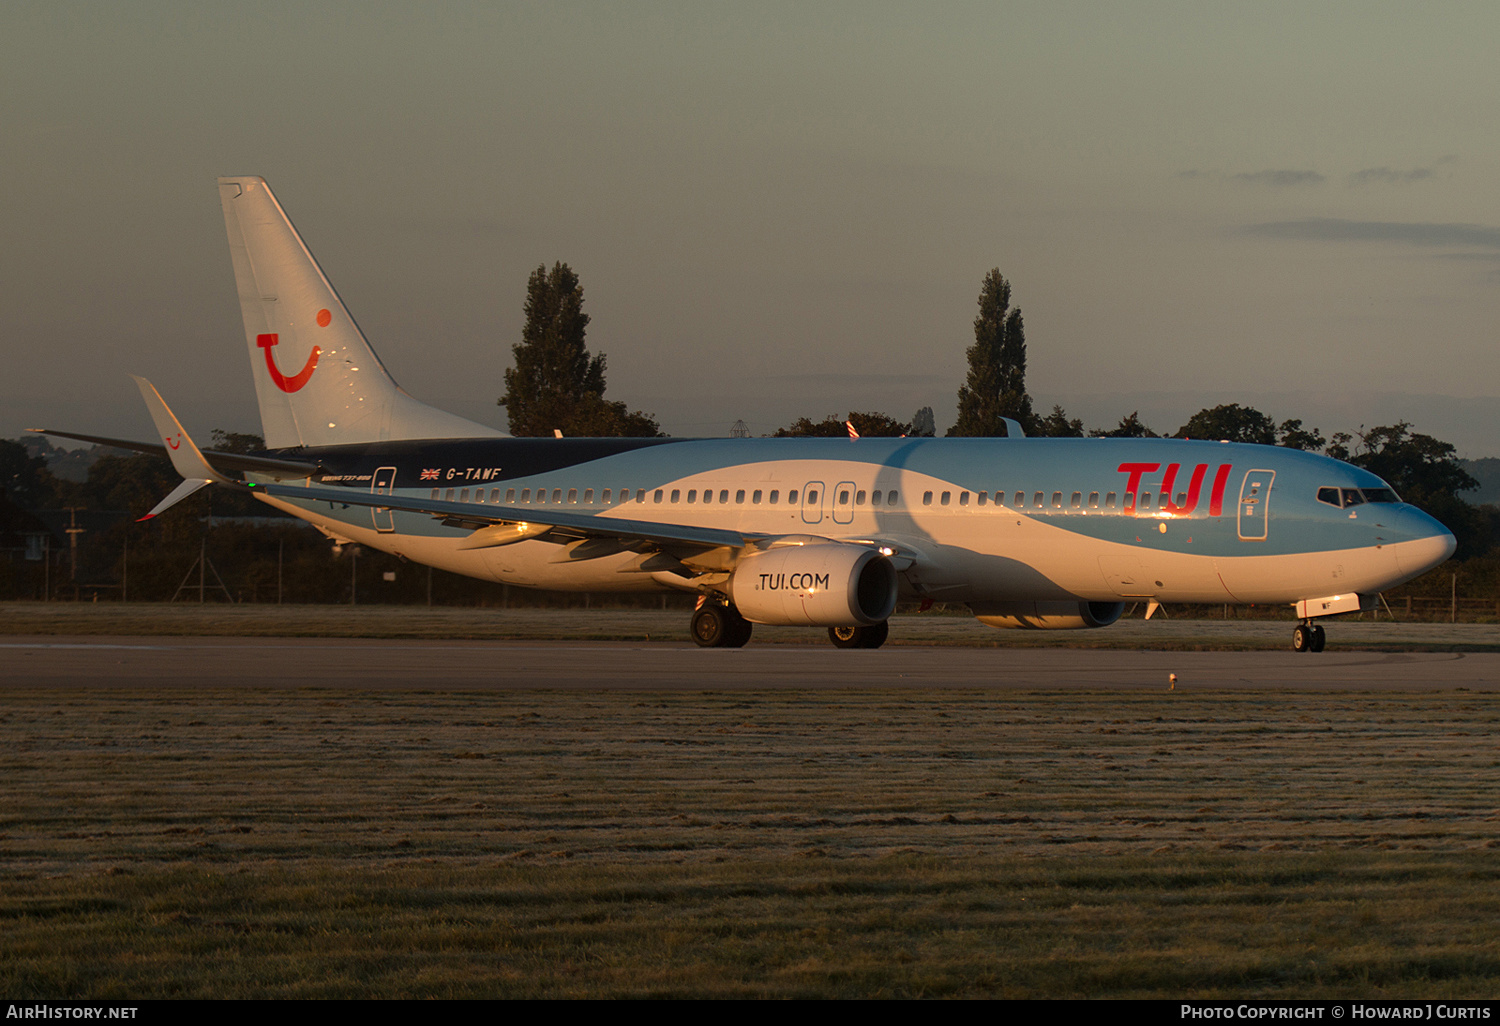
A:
x,y
869,425
1294,437
923,424
1057,425
1129,427
996,385
1236,423
235,441
23,477
1231,423
556,385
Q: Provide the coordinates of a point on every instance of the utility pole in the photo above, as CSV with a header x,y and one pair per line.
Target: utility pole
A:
x,y
73,532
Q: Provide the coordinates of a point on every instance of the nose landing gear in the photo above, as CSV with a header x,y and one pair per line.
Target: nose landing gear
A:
x,y
1308,637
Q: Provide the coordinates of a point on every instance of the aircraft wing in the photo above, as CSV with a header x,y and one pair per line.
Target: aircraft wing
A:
x,y
221,461
556,522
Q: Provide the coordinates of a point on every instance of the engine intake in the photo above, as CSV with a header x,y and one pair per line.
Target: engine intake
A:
x,y
1047,616
824,584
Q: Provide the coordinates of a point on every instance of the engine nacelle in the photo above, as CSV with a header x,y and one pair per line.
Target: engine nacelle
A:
x,y
822,584
1048,616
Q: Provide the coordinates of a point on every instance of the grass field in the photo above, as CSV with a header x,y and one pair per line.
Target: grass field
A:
x,y
778,843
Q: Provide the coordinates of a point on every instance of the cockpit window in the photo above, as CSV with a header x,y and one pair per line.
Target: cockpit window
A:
x,y
1346,497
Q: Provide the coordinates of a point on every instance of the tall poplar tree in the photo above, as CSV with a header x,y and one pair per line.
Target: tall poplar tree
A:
x,y
996,385
556,384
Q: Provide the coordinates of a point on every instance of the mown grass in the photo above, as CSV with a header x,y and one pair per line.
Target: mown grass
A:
x,y
1367,926
245,843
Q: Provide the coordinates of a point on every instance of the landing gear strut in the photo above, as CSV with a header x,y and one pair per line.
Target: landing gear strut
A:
x,y
1308,637
720,625
860,637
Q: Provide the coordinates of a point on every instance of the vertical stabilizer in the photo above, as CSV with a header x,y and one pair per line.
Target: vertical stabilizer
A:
x,y
317,379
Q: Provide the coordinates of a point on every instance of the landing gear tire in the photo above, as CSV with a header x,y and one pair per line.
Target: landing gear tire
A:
x,y
1302,638
1319,638
860,637
716,626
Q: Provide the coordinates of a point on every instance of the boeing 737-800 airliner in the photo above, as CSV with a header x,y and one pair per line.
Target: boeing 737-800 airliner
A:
x,y
1028,532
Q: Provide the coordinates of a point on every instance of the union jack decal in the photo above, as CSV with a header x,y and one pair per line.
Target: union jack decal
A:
x,y
429,475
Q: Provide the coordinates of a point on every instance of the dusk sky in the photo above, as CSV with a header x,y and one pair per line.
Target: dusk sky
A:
x,y
776,210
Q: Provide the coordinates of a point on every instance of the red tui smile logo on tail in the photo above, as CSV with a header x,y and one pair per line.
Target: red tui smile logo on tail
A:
x,y
286,384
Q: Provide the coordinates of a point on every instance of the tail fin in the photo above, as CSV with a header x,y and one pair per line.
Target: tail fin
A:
x,y
317,379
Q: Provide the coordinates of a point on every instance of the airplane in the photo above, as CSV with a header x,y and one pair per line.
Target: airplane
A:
x,y
1030,533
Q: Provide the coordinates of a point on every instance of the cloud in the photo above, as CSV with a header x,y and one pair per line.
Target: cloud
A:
x,y
1279,179
1276,179
1411,233
1390,176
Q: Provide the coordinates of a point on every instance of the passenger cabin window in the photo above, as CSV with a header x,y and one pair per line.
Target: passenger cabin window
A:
x,y
676,494
947,498
1145,500
1039,500
588,496
435,492
449,496
875,498
812,498
739,497
1093,500
658,495
982,497
557,495
844,497
927,498
891,497
1057,500
603,498
791,496
724,496
525,494
572,495
1109,500
859,498
963,498
755,497
1077,501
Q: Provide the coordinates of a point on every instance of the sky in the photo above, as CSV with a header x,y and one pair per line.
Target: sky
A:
x,y
776,210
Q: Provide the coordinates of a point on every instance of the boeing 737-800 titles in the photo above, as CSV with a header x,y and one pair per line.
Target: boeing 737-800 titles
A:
x,y
1028,532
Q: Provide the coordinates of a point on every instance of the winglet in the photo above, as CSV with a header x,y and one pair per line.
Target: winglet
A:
x,y
179,493
186,457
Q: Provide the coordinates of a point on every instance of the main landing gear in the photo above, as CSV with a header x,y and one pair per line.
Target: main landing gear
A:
x,y
1308,637
720,625
872,636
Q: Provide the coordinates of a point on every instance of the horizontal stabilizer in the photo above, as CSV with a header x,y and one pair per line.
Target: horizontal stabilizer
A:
x,y
223,462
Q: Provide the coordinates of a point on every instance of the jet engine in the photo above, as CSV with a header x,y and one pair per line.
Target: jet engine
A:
x,y
1047,616
826,584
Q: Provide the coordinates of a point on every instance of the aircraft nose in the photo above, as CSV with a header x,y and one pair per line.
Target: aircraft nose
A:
x,y
1423,544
